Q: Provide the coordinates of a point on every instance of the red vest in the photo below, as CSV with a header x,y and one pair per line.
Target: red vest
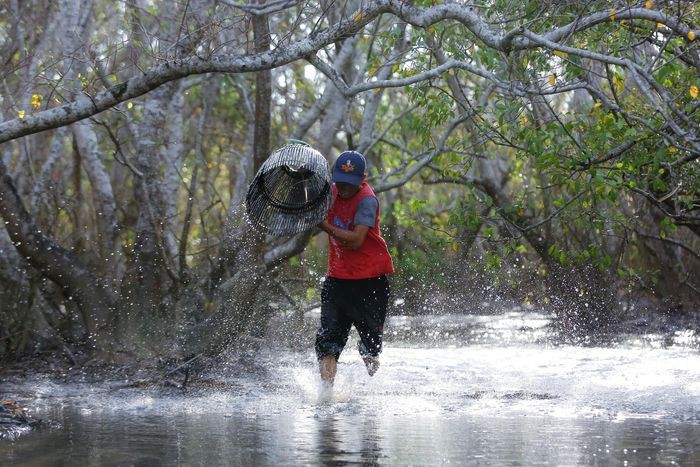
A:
x,y
372,259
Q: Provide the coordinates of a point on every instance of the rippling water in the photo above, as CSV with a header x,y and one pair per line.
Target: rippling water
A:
x,y
474,390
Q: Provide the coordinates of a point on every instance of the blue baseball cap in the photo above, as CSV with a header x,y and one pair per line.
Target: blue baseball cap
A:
x,y
349,168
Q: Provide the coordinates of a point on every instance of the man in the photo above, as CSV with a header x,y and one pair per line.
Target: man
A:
x,y
356,289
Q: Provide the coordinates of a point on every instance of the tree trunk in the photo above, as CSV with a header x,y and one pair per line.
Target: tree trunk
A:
x,y
109,247
77,282
237,309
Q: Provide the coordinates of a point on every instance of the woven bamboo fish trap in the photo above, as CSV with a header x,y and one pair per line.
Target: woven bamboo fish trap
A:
x,y
291,192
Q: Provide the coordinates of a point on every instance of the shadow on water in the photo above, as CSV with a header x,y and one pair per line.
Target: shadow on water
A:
x,y
475,390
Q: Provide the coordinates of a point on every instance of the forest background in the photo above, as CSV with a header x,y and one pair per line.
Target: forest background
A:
x,y
531,153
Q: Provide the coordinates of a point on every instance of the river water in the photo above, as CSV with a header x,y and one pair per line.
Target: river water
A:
x,y
464,390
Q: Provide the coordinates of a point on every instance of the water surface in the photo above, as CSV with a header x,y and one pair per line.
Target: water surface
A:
x,y
466,390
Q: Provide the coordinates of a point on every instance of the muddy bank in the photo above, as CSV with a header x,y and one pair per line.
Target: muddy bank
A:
x,y
16,420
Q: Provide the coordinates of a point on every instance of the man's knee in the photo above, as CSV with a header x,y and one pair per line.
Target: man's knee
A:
x,y
329,343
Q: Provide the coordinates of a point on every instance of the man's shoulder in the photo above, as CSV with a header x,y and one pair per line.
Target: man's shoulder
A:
x,y
368,201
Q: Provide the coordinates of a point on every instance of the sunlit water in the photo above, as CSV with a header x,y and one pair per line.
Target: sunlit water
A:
x,y
465,390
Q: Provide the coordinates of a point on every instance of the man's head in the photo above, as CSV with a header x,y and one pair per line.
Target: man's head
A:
x,y
349,172
349,168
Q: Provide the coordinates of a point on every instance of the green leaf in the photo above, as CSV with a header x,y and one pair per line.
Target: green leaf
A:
x,y
310,293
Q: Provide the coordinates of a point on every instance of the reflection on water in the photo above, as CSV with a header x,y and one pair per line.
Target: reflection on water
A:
x,y
283,439
463,390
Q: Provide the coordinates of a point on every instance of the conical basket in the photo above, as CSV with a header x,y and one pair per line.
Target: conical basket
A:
x,y
291,192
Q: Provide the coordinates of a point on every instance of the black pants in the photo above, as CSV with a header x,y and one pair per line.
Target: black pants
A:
x,y
347,302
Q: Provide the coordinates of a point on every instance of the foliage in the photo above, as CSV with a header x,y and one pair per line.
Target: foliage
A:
x,y
541,144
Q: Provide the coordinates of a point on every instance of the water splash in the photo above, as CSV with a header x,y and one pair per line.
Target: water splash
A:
x,y
496,391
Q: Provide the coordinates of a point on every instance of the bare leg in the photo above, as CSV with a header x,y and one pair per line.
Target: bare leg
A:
x,y
328,366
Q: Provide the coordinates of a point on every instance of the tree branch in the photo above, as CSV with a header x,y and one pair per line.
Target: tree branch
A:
x,y
87,105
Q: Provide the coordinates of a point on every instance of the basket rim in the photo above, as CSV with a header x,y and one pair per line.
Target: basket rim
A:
x,y
288,207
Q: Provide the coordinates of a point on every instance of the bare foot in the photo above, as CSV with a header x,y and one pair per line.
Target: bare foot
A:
x,y
325,394
372,364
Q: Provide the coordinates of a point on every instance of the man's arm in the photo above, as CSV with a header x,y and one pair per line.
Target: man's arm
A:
x,y
352,239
